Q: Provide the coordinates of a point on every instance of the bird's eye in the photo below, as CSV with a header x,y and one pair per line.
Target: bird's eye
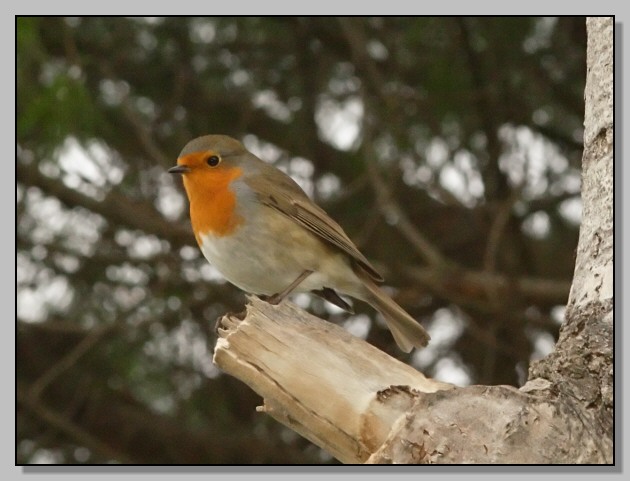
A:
x,y
213,160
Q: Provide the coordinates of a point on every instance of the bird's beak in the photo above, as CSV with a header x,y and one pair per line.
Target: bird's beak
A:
x,y
179,169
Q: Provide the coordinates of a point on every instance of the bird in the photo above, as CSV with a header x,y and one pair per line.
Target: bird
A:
x,y
263,233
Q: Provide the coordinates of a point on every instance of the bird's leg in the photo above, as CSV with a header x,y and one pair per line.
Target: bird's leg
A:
x,y
277,298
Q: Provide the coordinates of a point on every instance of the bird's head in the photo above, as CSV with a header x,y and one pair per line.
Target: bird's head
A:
x,y
209,163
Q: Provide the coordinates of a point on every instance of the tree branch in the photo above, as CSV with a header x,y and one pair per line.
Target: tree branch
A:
x,y
361,405
336,390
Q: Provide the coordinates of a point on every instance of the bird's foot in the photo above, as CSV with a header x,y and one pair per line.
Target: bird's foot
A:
x,y
277,298
274,299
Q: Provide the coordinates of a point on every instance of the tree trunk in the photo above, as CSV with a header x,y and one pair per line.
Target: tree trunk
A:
x,y
363,406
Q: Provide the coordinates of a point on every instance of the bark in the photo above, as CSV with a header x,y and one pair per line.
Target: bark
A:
x,y
363,406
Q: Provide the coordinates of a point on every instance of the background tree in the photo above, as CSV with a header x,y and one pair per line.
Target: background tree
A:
x,y
448,148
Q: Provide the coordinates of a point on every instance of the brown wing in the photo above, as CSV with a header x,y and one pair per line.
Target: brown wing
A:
x,y
278,191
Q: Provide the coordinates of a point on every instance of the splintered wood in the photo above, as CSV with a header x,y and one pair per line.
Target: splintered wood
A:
x,y
329,386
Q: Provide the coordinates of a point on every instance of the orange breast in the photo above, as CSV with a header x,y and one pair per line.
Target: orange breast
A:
x,y
212,202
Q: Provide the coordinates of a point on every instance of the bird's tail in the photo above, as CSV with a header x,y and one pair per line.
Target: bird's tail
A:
x,y
407,332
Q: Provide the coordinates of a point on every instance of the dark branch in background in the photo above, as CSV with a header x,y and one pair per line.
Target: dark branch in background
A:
x,y
493,296
309,85
467,287
139,126
390,209
548,202
443,275
559,137
61,423
495,182
455,282
143,134
116,207
496,230
357,42
573,103
355,36
65,363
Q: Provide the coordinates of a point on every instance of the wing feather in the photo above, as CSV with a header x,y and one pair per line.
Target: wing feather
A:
x,y
278,191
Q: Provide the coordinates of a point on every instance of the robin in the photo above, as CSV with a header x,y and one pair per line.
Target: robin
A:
x,y
265,236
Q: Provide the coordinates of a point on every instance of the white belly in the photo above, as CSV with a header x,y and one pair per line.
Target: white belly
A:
x,y
266,258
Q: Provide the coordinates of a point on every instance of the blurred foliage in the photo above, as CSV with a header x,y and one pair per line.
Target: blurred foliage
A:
x,y
472,128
